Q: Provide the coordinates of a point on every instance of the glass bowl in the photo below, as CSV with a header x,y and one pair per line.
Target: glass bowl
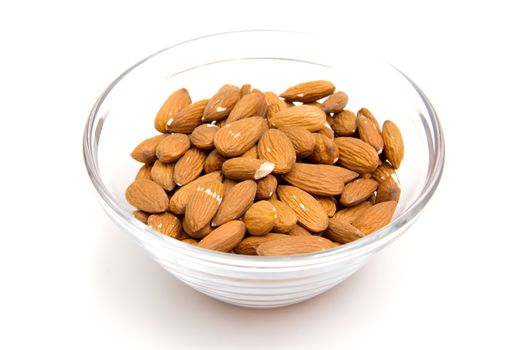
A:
x,y
269,60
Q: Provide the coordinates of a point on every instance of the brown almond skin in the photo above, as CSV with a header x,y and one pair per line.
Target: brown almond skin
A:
x,y
248,245
173,104
172,147
253,104
187,118
342,232
286,218
251,153
383,172
335,103
214,162
275,104
325,150
292,245
309,212
349,215
199,234
369,133
162,173
228,185
260,218
327,131
309,117
302,140
357,155
190,241
298,231
144,172
357,191
141,216
388,190
147,196
202,136
266,187
166,223
319,179
189,166
221,104
225,237
145,152
344,123
309,91
329,204
394,147
242,168
275,147
237,137
180,199
245,90
366,113
203,204
238,199
375,217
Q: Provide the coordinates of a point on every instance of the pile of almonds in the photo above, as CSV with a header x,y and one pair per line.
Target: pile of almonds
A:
x,y
254,173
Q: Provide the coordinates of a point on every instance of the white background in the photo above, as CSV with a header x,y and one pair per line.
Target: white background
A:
x,y
71,280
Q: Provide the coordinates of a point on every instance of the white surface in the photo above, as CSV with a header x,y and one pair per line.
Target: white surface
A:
x,y
71,280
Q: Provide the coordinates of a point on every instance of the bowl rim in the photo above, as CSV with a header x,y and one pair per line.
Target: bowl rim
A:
x,y
170,245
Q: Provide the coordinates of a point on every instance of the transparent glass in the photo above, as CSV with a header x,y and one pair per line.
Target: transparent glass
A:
x,y
269,60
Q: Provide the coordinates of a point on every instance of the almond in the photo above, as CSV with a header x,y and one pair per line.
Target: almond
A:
x,y
248,246
191,241
344,123
309,212
246,168
222,103
369,133
202,136
237,137
394,147
260,218
189,166
388,190
228,185
340,231
147,196
239,198
357,155
335,103
166,223
384,172
329,204
180,199
320,179
357,191
309,91
275,104
214,162
266,187
172,147
327,130
144,172
366,113
162,173
203,232
286,218
145,151
375,217
275,147
298,231
309,117
325,150
251,153
294,245
349,215
225,237
204,203
250,105
245,90
187,118
141,216
303,141
173,104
